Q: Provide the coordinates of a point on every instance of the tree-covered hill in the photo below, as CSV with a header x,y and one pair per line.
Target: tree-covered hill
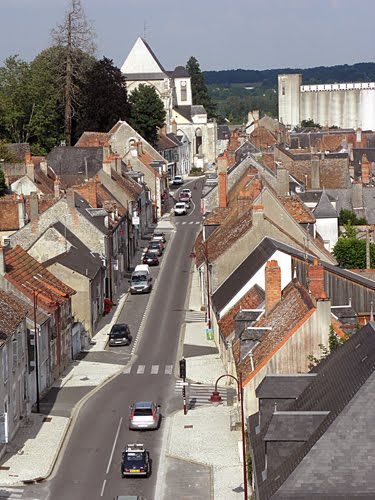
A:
x,y
361,72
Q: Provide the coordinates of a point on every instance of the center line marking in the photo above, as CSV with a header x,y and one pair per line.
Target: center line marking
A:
x,y
101,493
113,447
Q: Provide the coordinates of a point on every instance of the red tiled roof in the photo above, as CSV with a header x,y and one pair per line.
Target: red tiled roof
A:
x,y
106,201
129,185
28,275
146,159
262,138
297,209
251,300
9,216
12,312
295,306
93,139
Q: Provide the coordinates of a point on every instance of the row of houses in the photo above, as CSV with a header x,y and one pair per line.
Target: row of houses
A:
x,y
274,295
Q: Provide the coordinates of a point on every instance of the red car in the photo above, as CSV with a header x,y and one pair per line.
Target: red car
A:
x,y
184,197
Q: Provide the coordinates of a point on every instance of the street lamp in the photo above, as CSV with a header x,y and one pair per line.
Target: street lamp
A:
x,y
35,294
216,400
205,251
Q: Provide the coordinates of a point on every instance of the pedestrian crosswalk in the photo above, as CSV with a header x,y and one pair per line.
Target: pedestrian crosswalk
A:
x,y
148,370
190,223
195,317
11,492
199,394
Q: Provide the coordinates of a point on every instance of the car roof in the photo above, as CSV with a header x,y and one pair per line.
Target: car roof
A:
x,y
180,204
143,404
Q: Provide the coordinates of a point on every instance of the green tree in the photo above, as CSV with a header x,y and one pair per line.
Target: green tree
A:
x,y
104,98
199,89
334,341
147,112
309,123
16,108
347,216
351,253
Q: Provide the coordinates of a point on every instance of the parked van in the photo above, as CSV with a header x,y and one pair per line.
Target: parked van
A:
x,y
141,280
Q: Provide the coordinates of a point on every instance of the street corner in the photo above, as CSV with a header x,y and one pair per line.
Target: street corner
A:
x,y
34,450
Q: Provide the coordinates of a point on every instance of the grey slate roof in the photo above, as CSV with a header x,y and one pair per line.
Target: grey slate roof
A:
x,y
71,163
324,209
337,459
293,425
314,195
223,132
93,215
179,72
189,111
280,386
78,258
145,76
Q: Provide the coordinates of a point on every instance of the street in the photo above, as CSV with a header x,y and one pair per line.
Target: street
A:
x,y
89,466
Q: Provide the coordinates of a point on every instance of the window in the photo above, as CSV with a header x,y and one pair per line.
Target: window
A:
x,y
183,91
283,90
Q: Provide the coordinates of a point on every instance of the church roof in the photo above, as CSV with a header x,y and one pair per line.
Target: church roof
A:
x,y
324,209
141,60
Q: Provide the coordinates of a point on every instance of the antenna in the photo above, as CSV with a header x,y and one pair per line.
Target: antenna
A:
x,y
144,30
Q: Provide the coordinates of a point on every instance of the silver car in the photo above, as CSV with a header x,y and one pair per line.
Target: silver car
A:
x,y
144,415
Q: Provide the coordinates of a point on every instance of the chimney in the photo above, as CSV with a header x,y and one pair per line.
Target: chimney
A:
x,y
366,167
257,214
282,180
174,127
29,167
256,118
107,166
92,192
315,172
33,208
70,198
315,275
357,195
21,211
358,135
139,148
244,202
350,152
272,284
222,189
56,187
257,188
2,260
222,163
163,130
44,167
118,162
106,150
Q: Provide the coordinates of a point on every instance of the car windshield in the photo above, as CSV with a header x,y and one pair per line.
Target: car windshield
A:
x,y
142,412
180,205
139,277
150,255
134,456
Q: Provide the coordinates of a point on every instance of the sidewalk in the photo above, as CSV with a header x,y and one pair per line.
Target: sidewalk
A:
x,y
203,436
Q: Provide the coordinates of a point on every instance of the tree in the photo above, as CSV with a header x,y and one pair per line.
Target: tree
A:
x,y
310,124
16,109
104,98
199,88
334,341
351,253
147,112
348,217
75,35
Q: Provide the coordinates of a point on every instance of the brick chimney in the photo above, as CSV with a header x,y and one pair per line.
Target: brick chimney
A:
x,y
366,168
139,148
33,208
222,189
106,149
29,167
174,127
257,187
56,187
163,130
44,167
272,284
222,162
316,280
244,202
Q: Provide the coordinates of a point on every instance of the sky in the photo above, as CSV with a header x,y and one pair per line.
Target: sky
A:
x,y
220,34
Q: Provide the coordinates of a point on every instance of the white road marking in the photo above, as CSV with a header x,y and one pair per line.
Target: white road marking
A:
x,y
140,369
127,369
191,222
154,369
183,223
168,369
112,452
101,493
198,222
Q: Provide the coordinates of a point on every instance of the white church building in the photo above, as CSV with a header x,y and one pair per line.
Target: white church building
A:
x,y
189,122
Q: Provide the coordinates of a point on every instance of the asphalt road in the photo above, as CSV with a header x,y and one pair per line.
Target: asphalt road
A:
x,y
90,465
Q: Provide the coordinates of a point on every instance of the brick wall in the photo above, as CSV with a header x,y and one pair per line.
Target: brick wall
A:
x,y
273,284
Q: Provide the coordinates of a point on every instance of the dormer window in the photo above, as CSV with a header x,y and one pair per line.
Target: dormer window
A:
x,y
183,91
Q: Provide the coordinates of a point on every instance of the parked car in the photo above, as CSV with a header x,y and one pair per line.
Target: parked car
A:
x,y
187,191
178,180
120,335
150,259
135,461
141,280
144,415
180,208
185,198
157,242
159,236
154,248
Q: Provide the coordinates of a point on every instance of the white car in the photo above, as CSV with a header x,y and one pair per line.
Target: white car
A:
x,y
186,191
180,208
178,180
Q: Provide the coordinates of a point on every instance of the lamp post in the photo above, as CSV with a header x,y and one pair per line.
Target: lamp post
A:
x,y
216,400
205,250
35,294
